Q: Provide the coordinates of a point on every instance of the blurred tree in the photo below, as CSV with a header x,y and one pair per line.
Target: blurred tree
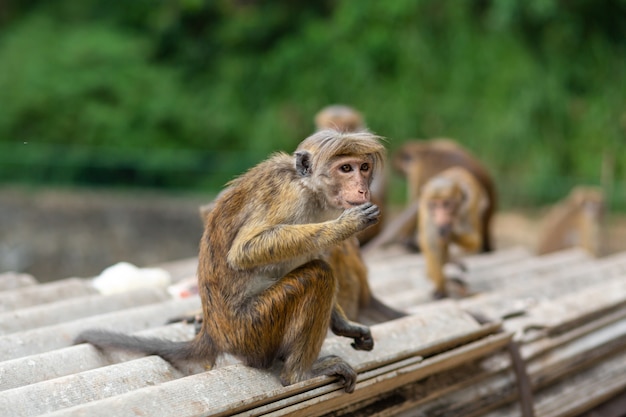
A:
x,y
535,87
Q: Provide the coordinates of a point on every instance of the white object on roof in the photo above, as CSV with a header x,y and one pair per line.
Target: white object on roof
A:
x,y
124,276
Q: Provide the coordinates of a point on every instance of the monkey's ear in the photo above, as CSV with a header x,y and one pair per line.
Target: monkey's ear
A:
x,y
303,163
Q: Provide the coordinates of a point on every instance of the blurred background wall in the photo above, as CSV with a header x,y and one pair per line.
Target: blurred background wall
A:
x,y
179,96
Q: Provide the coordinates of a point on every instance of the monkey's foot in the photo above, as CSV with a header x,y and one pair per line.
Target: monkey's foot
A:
x,y
461,286
335,366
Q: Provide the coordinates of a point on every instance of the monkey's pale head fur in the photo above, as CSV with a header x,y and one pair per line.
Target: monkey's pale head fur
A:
x,y
328,144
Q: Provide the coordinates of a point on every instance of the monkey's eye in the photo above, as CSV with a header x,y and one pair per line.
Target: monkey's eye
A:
x,y
365,167
346,168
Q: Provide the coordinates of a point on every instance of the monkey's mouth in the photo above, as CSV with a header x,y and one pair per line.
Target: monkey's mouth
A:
x,y
350,204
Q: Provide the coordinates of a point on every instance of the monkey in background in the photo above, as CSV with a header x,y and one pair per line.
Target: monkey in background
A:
x,y
347,119
451,208
575,221
419,160
354,291
340,117
266,292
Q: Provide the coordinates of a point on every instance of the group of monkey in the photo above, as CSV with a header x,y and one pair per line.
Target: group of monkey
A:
x,y
281,256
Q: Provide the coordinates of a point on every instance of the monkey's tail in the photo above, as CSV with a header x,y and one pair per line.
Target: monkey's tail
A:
x,y
167,349
387,312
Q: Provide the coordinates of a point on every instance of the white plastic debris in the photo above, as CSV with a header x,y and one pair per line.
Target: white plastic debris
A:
x,y
124,276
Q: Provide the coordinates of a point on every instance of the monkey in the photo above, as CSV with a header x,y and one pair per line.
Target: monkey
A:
x,y
340,117
419,160
267,293
451,207
575,221
354,291
347,119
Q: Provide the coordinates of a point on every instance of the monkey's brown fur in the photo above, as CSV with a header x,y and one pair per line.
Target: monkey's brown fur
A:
x,y
266,293
575,221
450,211
419,160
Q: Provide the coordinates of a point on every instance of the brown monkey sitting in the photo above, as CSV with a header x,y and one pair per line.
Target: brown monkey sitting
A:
x,y
354,292
265,292
346,119
575,221
419,160
451,211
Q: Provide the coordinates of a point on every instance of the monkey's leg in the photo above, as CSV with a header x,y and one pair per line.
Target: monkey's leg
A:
x,y
434,271
341,326
299,306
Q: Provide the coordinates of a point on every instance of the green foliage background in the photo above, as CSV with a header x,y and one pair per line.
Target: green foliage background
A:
x,y
185,94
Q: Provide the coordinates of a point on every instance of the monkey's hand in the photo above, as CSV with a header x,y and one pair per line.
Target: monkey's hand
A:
x,y
364,341
361,217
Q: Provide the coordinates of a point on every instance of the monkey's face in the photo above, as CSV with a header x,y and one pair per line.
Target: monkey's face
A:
x,y
442,204
590,202
402,159
349,180
408,156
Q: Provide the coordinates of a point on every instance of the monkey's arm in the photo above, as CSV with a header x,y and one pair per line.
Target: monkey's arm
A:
x,y
471,242
267,245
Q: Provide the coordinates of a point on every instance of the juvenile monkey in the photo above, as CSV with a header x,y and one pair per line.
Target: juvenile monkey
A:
x,y
266,291
354,291
451,210
419,160
575,221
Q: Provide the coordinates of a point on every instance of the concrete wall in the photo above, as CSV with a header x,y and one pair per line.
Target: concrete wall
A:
x,y
54,234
